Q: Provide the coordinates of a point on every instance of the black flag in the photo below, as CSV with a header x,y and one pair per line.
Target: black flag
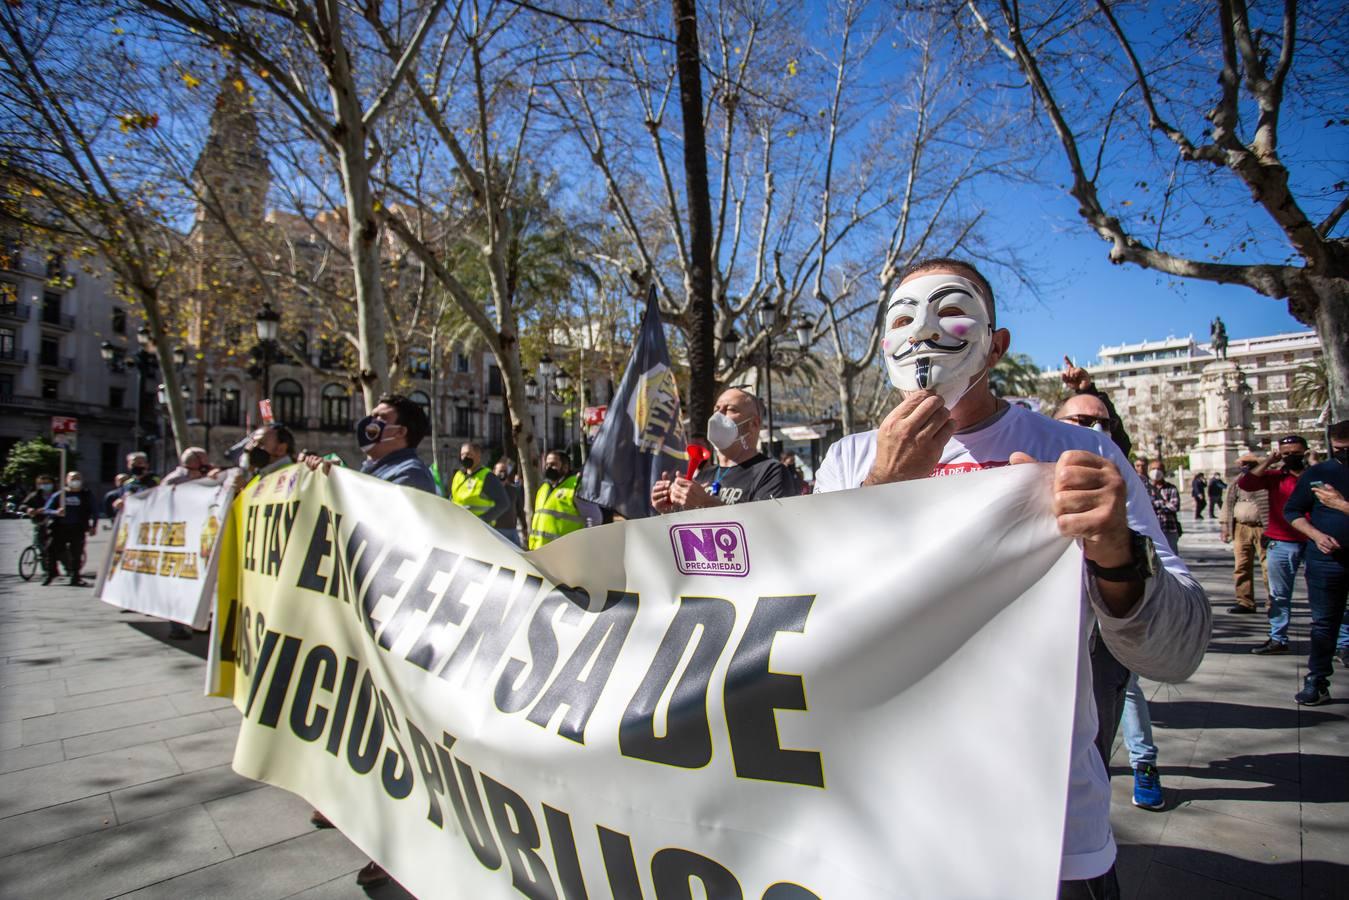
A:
x,y
643,433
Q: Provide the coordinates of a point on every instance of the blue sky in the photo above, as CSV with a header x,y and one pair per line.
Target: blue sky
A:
x,y
1085,301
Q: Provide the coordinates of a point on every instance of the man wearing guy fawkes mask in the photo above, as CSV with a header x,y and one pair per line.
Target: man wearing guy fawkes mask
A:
x,y
940,340
1285,547
741,474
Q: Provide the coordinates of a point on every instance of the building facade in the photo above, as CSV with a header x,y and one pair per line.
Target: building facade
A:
x,y
54,317
1155,386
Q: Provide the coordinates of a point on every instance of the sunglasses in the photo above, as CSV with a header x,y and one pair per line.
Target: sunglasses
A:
x,y
1087,421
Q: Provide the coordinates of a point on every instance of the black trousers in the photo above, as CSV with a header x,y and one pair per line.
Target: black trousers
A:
x,y
1109,678
65,546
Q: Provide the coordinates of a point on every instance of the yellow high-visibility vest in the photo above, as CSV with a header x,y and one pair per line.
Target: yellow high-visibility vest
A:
x,y
554,512
466,490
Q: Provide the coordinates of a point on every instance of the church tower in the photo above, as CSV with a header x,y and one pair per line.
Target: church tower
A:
x,y
230,181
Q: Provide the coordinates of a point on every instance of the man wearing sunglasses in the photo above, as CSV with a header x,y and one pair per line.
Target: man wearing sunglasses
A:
x,y
194,463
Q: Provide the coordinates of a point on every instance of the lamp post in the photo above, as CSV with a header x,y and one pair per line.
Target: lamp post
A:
x,y
532,394
768,317
268,323
562,379
208,401
1157,442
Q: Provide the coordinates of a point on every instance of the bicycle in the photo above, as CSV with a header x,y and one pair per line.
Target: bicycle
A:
x,y
33,559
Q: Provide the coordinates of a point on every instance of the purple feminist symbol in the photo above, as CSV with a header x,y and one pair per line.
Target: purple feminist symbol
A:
x,y
726,541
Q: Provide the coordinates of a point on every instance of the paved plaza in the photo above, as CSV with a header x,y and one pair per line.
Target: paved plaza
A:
x,y
115,778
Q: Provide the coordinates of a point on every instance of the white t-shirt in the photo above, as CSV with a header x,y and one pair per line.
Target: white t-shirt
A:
x,y
1178,602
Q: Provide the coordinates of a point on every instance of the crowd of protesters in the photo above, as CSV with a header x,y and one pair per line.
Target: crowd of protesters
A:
x,y
1144,612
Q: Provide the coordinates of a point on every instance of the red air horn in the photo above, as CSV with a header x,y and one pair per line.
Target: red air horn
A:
x,y
698,454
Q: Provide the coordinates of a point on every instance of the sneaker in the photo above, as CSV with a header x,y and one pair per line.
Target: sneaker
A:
x,y
371,874
1312,695
78,582
1343,656
1148,788
1270,646
1241,609
48,580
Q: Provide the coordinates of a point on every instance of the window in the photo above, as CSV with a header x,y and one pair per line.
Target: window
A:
x,y
330,355
7,343
559,438
495,429
116,398
463,421
118,320
460,363
49,353
51,388
300,344
1131,392
6,386
107,461
288,403
9,297
229,406
419,364
336,407
56,265
494,387
51,308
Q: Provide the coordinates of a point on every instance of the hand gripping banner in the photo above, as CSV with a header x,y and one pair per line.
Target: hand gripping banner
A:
x,y
162,559
820,697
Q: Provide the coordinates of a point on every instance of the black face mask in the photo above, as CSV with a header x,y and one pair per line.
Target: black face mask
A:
x,y
552,473
1295,463
259,458
466,462
138,470
1340,455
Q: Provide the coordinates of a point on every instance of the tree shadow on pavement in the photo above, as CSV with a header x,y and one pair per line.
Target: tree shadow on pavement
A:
x,y
199,645
1322,778
1215,714
1151,873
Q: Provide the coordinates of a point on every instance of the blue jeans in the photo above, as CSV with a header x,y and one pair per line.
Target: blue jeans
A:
x,y
1136,723
1327,586
1281,562
1343,642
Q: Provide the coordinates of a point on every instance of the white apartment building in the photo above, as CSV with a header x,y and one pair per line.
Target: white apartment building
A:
x,y
1155,386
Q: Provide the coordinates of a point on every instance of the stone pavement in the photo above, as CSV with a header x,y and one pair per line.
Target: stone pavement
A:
x,y
115,778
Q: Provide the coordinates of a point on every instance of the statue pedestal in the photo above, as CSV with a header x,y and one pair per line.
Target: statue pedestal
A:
x,y
1225,431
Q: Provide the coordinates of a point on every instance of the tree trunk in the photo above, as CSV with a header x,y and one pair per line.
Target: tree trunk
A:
x,y
522,423
363,228
1332,327
701,316
846,400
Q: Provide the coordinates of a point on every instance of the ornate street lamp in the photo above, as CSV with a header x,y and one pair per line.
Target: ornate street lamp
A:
x,y
268,323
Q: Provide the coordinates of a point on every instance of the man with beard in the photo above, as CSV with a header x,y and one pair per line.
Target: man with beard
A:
x,y
1277,475
940,341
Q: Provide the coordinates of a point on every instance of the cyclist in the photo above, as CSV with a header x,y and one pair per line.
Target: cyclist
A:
x,y
31,508
72,515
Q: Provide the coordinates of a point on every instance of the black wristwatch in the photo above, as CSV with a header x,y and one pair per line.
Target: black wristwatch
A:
x,y
1141,567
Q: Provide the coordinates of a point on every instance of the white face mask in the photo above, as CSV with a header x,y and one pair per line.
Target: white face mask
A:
x,y
75,484
938,335
723,432
1155,474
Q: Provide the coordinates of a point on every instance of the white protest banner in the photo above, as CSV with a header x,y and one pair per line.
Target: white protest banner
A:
x,y
162,560
830,696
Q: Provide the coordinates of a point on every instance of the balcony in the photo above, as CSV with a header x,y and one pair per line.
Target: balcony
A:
x,y
13,356
17,312
57,320
63,365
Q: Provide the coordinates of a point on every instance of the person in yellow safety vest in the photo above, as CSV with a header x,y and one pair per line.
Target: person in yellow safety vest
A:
x,y
480,492
555,512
